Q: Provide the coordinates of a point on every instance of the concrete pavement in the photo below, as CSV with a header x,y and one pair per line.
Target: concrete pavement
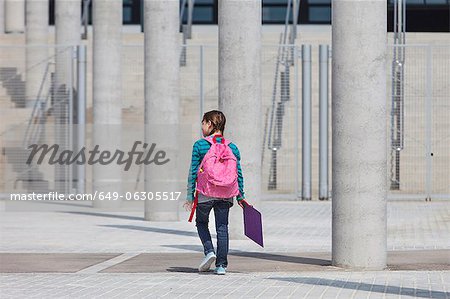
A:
x,y
74,251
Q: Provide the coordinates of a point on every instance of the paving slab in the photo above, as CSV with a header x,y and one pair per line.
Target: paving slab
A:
x,y
50,262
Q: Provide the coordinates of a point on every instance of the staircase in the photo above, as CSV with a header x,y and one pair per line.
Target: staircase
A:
x,y
14,85
18,176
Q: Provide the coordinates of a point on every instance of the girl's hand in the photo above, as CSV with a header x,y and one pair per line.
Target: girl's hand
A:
x,y
243,203
188,205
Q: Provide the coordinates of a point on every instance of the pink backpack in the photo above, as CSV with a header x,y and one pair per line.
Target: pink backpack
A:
x,y
217,173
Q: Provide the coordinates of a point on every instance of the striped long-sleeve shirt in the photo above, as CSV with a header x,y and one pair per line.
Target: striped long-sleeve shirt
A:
x,y
199,150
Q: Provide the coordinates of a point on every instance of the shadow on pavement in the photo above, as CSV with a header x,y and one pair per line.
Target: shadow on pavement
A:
x,y
154,230
284,258
182,270
195,270
361,286
104,215
318,259
196,248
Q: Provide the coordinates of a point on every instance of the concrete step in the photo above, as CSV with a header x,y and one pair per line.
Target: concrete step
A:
x,y
32,179
14,85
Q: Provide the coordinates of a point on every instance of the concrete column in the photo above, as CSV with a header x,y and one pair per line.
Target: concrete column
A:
x,y
240,93
36,51
323,122
67,35
2,16
359,134
162,100
14,16
107,93
306,120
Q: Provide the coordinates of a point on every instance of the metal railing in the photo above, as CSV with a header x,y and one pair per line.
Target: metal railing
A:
x,y
37,120
186,29
398,99
285,59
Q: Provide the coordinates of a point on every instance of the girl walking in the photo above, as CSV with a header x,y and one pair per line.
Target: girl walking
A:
x,y
215,178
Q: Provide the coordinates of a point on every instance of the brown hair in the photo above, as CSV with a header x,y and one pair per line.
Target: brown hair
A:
x,y
217,119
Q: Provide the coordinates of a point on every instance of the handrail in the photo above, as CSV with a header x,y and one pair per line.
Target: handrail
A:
x,y
38,112
64,48
281,59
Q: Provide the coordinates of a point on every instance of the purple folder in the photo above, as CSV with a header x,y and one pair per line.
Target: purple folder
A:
x,y
253,224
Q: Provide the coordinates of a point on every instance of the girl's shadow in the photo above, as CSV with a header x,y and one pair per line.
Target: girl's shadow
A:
x,y
183,270
193,270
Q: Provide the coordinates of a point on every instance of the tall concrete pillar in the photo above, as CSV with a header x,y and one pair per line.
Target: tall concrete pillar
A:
x,y
67,35
36,51
107,93
240,93
14,16
359,134
2,16
162,100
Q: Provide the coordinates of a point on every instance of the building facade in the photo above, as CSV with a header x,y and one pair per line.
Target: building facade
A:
x,y
422,15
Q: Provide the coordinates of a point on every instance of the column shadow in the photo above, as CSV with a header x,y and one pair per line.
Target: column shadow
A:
x,y
262,256
96,214
154,230
377,288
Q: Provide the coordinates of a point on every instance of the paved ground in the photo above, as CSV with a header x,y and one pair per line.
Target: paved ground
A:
x,y
239,262
288,227
77,252
233,285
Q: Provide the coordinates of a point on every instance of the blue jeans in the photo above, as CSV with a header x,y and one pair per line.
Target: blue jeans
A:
x,y
221,211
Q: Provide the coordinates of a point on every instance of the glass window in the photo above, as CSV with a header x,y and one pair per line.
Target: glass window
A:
x,y
275,14
436,2
264,2
320,14
415,1
421,2
201,14
203,1
127,14
319,1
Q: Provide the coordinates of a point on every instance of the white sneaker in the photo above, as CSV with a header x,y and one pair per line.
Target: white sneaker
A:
x,y
207,262
220,270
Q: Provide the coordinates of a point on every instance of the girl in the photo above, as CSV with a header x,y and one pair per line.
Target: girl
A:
x,y
213,126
